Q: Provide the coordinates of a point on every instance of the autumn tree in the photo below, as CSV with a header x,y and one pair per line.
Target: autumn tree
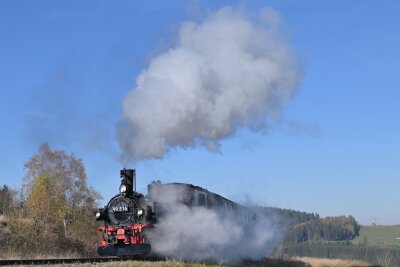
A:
x,y
45,206
57,193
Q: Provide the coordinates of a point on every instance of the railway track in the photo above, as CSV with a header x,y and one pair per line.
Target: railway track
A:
x,y
76,260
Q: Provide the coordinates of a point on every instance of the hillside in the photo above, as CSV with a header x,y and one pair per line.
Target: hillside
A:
x,y
379,235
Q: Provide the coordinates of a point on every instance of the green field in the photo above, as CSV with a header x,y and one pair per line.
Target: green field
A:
x,y
379,235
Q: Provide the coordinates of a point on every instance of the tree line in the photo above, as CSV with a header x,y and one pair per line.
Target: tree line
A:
x,y
337,228
301,226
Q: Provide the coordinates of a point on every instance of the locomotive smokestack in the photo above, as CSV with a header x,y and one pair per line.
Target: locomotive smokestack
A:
x,y
128,179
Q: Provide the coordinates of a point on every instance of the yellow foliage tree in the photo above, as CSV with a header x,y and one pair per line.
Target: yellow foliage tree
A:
x,y
57,194
45,206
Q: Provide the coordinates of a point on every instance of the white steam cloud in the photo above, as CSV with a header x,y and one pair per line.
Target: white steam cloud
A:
x,y
208,234
225,73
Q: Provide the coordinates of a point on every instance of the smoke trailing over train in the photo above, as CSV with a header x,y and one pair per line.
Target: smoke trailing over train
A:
x,y
228,72
218,230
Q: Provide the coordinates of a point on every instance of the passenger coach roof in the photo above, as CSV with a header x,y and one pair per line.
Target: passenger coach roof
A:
x,y
202,189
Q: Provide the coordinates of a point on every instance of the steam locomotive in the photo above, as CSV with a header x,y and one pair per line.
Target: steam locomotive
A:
x,y
129,214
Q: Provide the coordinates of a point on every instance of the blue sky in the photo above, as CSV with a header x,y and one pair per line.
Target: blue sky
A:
x,y
65,67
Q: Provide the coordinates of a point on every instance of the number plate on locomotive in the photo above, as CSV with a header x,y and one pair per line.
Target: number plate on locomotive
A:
x,y
120,209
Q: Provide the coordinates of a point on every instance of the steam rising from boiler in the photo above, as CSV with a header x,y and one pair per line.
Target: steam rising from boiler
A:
x,y
227,72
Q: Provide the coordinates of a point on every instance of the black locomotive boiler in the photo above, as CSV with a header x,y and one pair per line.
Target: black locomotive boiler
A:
x,y
129,214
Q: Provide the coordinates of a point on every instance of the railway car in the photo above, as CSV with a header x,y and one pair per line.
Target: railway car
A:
x,y
129,214
163,196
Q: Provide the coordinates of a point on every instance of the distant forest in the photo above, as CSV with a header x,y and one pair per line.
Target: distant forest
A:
x,y
301,226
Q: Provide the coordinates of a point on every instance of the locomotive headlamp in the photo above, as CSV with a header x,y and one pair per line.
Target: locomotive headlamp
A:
x,y
98,215
122,188
139,212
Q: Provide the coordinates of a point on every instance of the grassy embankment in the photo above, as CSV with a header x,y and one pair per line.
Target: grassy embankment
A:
x,y
379,235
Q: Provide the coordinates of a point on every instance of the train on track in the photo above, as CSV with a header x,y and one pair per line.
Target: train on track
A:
x,y
130,215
